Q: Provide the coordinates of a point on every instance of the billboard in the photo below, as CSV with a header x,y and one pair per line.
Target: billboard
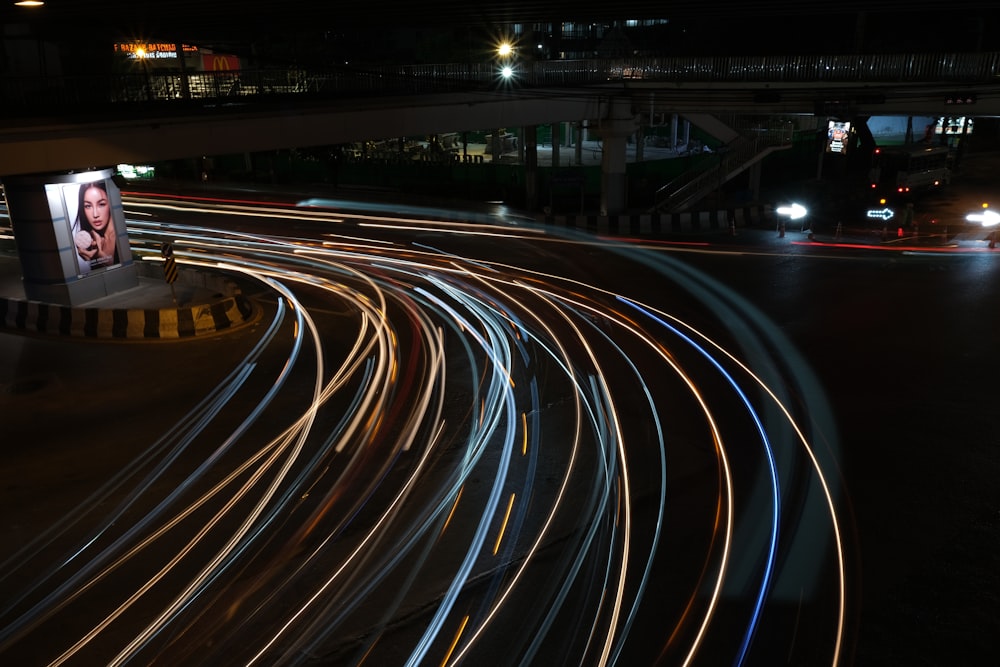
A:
x,y
70,233
92,212
219,62
953,125
152,50
838,137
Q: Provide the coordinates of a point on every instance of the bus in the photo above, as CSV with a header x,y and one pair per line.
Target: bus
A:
x,y
899,172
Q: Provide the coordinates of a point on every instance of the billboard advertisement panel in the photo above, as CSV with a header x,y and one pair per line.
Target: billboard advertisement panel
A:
x,y
838,137
92,211
70,233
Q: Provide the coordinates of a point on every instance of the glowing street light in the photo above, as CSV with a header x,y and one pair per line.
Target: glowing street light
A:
x,y
506,60
794,211
987,218
143,56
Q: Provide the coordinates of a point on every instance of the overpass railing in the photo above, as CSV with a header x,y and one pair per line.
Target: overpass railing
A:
x,y
59,96
875,68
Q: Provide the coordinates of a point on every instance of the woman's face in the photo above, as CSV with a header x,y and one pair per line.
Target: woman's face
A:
x,y
96,208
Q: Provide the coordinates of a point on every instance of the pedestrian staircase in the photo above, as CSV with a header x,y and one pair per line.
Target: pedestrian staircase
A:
x,y
747,148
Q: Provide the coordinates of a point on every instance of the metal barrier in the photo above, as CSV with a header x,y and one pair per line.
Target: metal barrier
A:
x,y
37,94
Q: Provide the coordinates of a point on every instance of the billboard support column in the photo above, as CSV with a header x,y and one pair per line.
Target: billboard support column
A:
x,y
70,234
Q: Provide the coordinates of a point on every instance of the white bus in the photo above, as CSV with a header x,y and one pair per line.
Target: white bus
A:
x,y
900,171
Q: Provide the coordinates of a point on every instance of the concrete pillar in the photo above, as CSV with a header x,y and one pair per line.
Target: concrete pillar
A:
x,y
578,147
531,167
45,217
673,131
614,130
755,170
640,142
555,144
495,143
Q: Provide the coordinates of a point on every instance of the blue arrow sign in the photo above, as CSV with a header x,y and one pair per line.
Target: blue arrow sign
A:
x,y
881,213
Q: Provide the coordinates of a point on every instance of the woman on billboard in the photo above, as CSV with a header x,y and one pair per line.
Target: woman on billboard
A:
x,y
94,229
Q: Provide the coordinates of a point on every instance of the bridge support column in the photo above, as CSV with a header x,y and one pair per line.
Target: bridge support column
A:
x,y
556,131
614,131
680,132
754,176
531,167
53,240
578,146
496,145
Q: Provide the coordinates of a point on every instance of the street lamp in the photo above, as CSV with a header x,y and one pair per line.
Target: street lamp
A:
x,y
505,60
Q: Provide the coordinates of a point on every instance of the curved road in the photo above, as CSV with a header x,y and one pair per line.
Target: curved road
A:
x,y
449,438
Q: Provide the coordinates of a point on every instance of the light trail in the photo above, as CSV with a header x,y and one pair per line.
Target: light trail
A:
x,y
450,456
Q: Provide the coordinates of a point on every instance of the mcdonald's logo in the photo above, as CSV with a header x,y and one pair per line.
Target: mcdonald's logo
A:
x,y
220,63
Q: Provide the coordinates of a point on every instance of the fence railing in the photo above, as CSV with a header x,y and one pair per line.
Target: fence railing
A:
x,y
40,94
751,144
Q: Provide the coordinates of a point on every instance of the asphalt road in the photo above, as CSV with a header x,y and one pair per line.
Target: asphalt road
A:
x,y
900,342
905,346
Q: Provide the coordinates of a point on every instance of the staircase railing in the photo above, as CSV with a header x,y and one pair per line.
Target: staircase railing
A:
x,y
750,146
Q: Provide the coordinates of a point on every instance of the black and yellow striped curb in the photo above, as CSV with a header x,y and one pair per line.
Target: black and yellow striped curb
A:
x,y
225,307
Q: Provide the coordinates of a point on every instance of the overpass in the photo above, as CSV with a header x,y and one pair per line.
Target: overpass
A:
x,y
53,124
59,132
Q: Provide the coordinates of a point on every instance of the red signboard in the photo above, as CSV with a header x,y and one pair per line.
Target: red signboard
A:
x,y
220,63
